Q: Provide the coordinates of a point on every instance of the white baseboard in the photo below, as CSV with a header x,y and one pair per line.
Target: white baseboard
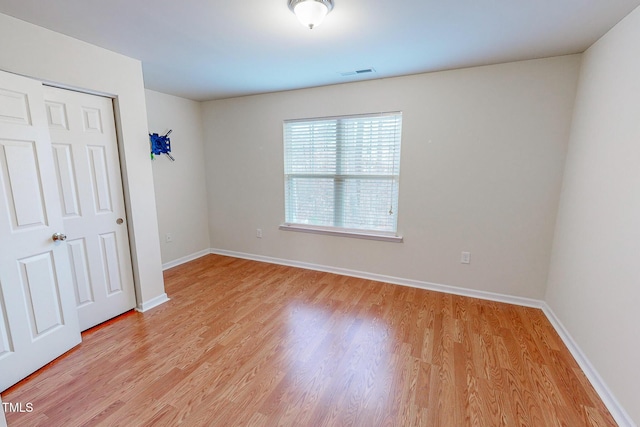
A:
x,y
185,259
617,411
612,404
491,296
152,303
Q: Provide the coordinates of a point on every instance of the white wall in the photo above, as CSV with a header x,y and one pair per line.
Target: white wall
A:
x,y
594,279
36,52
180,186
482,157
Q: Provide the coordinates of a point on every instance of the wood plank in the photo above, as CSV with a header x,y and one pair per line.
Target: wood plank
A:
x,y
249,343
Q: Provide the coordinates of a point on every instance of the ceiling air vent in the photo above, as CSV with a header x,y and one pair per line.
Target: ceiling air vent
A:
x,y
358,72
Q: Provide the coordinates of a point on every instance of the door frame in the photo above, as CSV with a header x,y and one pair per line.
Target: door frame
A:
x,y
128,270
119,147
142,304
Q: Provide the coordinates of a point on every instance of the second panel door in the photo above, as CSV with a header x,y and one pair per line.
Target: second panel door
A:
x,y
85,155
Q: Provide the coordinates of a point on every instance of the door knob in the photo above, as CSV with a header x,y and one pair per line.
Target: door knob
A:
x,y
59,237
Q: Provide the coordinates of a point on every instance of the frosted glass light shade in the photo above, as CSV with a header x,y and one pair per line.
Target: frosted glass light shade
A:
x,y
310,13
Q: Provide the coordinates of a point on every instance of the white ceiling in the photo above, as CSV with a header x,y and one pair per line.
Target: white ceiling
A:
x,y
218,49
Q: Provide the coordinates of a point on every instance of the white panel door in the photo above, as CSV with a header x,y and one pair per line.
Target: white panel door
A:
x,y
85,155
38,317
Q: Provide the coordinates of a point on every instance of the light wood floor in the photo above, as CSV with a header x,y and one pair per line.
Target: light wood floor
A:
x,y
247,343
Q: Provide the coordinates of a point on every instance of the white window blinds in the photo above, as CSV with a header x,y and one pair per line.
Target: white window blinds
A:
x,y
342,172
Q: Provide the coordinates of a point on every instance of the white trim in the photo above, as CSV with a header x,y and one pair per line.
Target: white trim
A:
x,y
369,235
617,411
185,259
152,303
491,296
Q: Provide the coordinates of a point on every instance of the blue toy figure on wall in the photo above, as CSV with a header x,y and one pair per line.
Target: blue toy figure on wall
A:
x,y
161,144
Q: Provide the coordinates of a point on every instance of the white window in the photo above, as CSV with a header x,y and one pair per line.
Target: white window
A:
x,y
342,174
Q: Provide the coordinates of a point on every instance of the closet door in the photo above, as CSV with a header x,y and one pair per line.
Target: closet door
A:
x,y
38,317
85,155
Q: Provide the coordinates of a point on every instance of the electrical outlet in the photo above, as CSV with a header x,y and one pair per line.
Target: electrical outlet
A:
x,y
168,238
259,233
465,258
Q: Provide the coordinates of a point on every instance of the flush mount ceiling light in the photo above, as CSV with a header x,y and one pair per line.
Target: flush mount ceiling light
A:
x,y
310,12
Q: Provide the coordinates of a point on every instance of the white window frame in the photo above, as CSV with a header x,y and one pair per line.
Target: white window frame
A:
x,y
339,178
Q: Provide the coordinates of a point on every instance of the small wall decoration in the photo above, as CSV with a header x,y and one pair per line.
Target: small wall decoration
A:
x,y
161,144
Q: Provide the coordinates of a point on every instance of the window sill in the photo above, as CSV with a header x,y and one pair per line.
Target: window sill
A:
x,y
342,233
